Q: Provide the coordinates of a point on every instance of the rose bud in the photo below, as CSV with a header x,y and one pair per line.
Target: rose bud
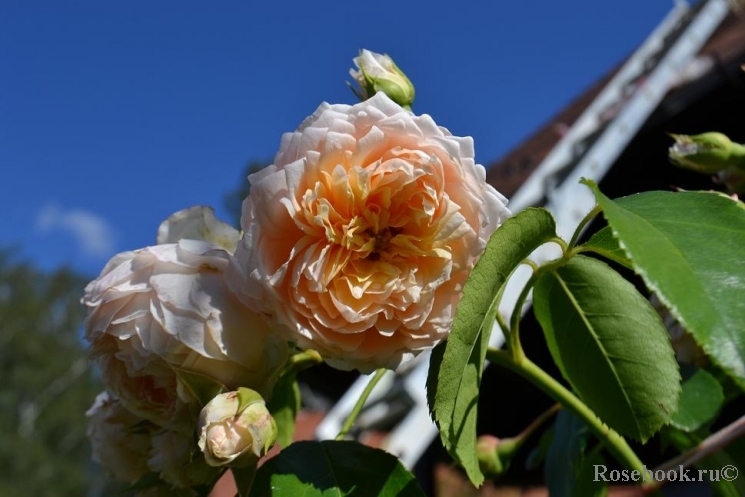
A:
x,y
706,153
494,454
236,429
379,73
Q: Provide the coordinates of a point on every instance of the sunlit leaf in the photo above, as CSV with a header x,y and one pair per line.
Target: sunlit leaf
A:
x,y
457,364
688,247
605,244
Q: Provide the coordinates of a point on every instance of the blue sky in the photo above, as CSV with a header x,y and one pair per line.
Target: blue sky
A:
x,y
115,114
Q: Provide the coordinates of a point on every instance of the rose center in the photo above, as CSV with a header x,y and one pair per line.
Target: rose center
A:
x,y
381,240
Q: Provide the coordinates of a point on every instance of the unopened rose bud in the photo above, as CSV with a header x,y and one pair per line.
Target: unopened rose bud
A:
x,y
378,72
706,153
236,429
495,455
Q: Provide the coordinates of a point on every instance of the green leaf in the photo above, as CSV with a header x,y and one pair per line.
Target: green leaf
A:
x,y
688,247
565,455
615,351
586,485
538,453
334,469
605,244
244,478
202,387
246,397
457,364
284,406
700,401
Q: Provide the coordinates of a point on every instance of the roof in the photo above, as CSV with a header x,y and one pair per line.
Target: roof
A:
x,y
724,51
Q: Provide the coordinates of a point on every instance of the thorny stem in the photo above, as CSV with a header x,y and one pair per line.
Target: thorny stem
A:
x,y
360,403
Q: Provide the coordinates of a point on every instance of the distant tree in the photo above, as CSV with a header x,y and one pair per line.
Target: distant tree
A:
x,y
234,198
47,384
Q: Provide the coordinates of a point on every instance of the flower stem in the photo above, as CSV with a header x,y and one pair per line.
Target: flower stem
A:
x,y
360,403
513,339
589,217
303,360
538,422
615,443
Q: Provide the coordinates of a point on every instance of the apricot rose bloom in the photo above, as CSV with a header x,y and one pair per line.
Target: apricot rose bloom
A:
x,y
362,233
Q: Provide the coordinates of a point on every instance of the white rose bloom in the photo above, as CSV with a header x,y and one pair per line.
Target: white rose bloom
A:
x,y
198,223
175,458
169,306
119,440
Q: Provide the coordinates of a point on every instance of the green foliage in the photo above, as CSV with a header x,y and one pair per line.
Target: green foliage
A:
x,y
284,406
565,455
604,243
456,366
700,401
611,342
47,384
688,248
586,485
331,469
201,387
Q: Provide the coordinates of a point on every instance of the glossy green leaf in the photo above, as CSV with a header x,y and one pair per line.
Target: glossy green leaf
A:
x,y
605,244
333,469
457,364
611,343
700,401
565,455
284,406
690,249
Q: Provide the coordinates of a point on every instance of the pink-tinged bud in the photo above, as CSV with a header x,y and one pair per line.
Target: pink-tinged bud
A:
x,y
495,455
236,429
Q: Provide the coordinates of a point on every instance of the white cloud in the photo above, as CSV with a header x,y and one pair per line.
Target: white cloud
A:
x,y
95,236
